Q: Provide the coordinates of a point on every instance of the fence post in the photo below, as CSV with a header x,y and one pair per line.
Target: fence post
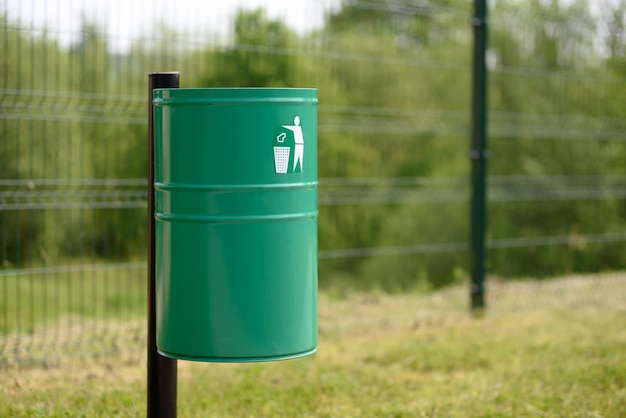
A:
x,y
479,155
162,371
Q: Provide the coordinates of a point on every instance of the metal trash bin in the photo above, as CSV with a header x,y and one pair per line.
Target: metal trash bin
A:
x,y
236,223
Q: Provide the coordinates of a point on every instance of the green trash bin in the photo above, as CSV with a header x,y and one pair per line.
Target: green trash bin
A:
x,y
236,223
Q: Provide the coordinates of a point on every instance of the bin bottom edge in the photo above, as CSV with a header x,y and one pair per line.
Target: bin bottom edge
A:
x,y
251,359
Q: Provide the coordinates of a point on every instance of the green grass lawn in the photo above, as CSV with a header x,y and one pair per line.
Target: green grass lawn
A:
x,y
389,356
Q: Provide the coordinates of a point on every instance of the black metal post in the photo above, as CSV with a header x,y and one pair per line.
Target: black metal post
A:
x,y
162,371
479,155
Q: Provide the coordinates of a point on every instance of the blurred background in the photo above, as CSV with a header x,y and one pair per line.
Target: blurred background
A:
x,y
394,80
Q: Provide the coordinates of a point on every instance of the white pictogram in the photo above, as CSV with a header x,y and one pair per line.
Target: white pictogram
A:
x,y
288,138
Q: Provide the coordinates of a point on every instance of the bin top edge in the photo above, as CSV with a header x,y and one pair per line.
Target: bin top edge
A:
x,y
239,94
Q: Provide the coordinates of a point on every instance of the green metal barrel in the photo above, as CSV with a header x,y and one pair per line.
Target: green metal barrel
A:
x,y
236,223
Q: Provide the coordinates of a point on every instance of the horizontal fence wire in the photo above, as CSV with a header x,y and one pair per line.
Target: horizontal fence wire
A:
x,y
81,268
131,193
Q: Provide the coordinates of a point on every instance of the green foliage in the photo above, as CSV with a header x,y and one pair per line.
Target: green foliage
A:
x,y
554,117
23,149
394,84
259,56
412,226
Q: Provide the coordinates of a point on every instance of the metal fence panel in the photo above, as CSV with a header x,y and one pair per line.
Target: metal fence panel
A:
x,y
394,123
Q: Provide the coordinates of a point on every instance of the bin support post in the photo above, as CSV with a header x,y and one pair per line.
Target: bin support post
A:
x,y
479,156
162,371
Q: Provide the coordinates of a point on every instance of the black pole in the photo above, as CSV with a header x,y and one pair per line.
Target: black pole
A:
x,y
162,372
479,156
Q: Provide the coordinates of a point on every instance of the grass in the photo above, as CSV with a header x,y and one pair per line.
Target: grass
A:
x,y
542,349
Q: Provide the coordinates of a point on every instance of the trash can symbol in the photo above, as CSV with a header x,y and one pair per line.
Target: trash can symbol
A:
x,y
281,154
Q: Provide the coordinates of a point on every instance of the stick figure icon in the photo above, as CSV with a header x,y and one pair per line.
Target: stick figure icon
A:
x,y
299,142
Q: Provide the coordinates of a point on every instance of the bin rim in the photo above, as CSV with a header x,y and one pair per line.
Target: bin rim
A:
x,y
234,95
185,89
240,91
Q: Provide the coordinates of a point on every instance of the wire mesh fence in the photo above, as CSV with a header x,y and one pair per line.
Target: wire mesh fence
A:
x,y
394,122
557,134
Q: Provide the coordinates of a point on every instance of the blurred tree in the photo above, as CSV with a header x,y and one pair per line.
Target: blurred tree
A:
x,y
614,21
261,54
21,151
